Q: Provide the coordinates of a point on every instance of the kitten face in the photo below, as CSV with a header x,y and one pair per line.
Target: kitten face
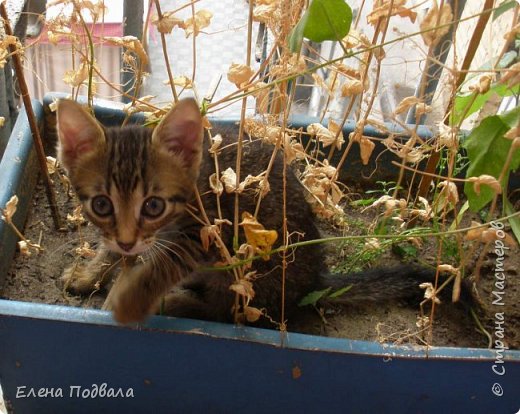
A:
x,y
132,183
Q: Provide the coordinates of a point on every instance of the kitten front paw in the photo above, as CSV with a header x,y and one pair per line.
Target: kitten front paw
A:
x,y
79,281
129,308
127,302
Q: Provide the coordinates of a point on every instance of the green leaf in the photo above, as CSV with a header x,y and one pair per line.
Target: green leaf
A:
x,y
340,292
505,6
487,152
461,110
323,20
405,250
514,221
362,202
313,297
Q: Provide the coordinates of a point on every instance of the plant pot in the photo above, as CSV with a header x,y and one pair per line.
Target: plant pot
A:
x,y
65,359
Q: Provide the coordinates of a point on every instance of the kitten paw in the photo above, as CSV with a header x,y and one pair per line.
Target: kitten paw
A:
x,y
78,281
128,306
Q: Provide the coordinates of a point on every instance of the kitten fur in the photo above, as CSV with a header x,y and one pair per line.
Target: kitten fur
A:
x,y
137,186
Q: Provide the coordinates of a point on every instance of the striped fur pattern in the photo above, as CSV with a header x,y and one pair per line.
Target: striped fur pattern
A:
x,y
137,187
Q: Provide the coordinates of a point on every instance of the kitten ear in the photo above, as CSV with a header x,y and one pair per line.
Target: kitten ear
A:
x,y
78,132
181,132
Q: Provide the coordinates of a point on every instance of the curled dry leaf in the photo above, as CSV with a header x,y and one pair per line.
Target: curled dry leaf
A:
x,y
252,314
372,244
289,65
513,33
2,121
318,80
257,236
215,184
25,247
449,269
423,322
131,44
347,71
194,25
429,292
488,180
5,42
52,164
323,194
229,179
142,105
327,136
487,235
436,23
239,74
208,234
426,213
181,81
76,78
167,23
352,39
391,204
511,75
9,209
409,152
85,251
76,218
385,9
406,104
482,84
447,197
266,13
422,109
366,147
216,142
447,137
351,87
244,288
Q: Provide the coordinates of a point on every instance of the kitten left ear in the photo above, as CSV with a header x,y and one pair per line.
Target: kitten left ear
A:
x,y
181,132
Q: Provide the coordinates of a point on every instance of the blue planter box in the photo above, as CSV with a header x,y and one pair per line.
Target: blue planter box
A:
x,y
56,359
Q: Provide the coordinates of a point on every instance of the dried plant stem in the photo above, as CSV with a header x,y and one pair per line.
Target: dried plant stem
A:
x,y
240,138
90,91
49,187
403,236
476,37
165,54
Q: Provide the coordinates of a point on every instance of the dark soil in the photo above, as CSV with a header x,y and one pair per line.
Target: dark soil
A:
x,y
37,279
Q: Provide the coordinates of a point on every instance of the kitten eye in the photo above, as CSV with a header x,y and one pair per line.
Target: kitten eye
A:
x,y
153,207
102,206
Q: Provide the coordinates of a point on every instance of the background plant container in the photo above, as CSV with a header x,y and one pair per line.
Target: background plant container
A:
x,y
58,359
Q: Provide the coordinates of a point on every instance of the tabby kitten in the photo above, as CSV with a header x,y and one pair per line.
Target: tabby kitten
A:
x,y
138,187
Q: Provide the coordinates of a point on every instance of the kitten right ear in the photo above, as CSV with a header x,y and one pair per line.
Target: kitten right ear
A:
x,y
78,132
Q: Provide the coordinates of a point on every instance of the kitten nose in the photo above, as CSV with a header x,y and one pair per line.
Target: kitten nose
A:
x,y
126,246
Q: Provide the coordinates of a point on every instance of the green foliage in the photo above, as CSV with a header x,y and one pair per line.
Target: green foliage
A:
x,y
469,103
387,188
359,256
405,250
487,152
461,110
323,20
314,297
504,6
